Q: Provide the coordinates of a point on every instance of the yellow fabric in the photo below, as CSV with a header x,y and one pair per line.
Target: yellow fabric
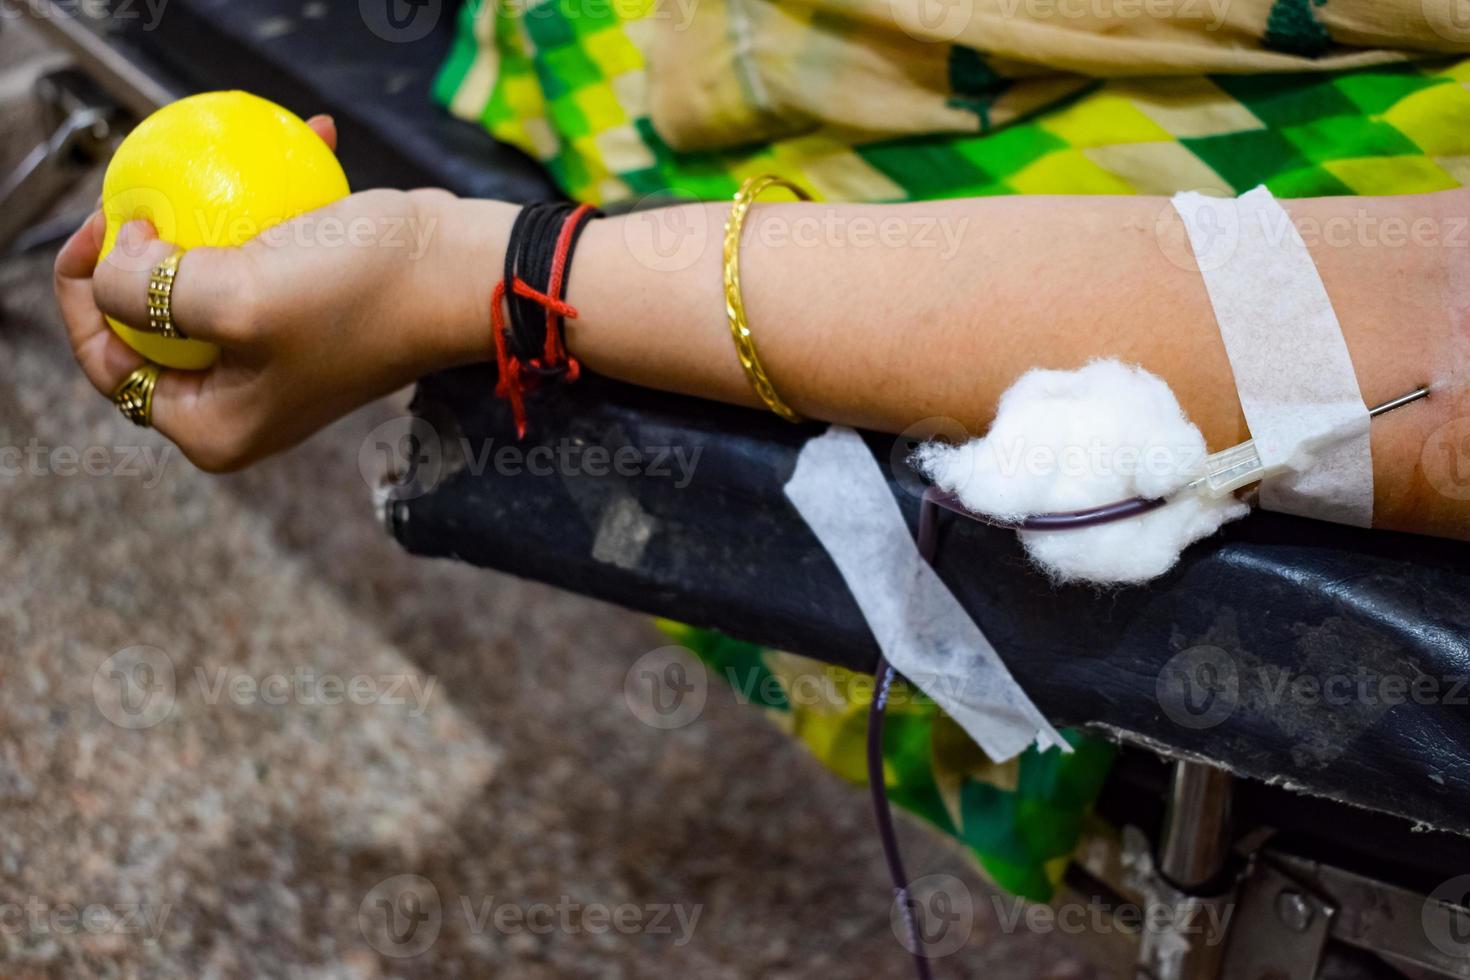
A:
x,y
732,72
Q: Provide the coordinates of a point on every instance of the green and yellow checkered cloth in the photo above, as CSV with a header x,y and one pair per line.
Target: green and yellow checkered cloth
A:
x,y
724,72
566,81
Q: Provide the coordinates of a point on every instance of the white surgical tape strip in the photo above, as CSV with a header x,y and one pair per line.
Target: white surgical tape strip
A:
x,y
921,627
1292,370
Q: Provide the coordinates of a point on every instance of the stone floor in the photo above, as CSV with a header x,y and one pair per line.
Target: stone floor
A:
x,y
184,792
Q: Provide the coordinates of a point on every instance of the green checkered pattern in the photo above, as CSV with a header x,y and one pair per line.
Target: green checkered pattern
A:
x,y
566,82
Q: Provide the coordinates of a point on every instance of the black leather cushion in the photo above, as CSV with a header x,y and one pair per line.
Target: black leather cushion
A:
x,y
1326,658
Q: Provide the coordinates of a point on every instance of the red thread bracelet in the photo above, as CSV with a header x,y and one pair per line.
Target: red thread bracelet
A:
x,y
514,382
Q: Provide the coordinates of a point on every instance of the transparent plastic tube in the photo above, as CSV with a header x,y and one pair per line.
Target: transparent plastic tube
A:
x,y
1230,469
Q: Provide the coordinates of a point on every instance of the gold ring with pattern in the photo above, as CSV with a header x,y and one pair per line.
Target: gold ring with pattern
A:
x,y
735,305
161,296
134,397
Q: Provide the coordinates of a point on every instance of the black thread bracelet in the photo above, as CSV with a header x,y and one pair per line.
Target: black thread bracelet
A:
x,y
530,257
529,333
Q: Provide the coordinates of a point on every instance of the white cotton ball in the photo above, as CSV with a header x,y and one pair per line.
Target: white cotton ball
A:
x,y
1068,440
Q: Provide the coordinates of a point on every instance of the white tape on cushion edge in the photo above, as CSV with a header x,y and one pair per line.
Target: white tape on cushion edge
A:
x,y
1292,370
921,627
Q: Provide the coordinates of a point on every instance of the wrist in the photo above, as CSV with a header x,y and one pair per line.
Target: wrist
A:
x,y
459,269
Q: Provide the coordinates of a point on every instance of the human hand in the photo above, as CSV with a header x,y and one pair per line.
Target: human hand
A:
x,y
313,317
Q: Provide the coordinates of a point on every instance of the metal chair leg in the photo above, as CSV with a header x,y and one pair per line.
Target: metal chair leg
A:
x,y
1191,877
83,131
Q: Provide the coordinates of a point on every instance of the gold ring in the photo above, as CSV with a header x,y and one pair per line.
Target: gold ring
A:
x,y
134,397
161,298
755,373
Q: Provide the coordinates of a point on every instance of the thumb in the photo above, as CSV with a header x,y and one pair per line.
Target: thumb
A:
x,y
208,285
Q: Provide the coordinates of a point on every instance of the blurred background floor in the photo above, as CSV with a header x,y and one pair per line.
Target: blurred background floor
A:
x,y
489,753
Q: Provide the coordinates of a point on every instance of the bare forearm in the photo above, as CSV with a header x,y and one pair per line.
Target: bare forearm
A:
x,y
883,315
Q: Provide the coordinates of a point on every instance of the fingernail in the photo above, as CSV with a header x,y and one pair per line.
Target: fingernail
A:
x,y
133,233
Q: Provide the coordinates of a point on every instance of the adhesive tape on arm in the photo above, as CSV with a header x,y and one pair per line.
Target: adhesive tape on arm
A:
x,y
1292,370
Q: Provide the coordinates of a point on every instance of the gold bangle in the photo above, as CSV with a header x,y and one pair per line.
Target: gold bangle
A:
x,y
735,306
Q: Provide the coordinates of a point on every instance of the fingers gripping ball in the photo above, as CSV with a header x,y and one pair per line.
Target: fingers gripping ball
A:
x,y
215,169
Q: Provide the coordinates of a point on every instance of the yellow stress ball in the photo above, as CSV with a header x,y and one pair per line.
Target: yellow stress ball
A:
x,y
215,169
